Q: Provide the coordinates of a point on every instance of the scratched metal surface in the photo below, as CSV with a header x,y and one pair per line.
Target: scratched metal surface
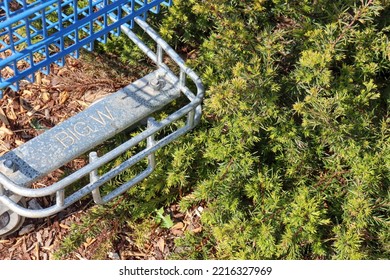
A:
x,y
101,121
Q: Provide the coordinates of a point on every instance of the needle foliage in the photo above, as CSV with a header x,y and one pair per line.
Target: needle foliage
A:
x,y
292,156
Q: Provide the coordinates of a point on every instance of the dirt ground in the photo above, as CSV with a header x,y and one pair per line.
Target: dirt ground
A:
x,y
40,106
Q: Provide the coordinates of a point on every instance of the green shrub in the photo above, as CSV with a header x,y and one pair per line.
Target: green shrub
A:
x,y
292,157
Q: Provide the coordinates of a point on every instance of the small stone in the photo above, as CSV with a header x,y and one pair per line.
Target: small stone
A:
x,y
113,256
26,229
34,205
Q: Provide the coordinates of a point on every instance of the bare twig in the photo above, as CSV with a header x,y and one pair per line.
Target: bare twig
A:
x,y
353,21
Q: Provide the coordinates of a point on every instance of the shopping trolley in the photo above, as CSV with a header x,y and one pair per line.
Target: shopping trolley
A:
x,y
37,33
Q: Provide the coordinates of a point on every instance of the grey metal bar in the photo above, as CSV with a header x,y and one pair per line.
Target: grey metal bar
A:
x,y
93,177
182,78
103,179
150,143
191,111
171,52
160,55
24,191
179,61
175,57
60,197
101,121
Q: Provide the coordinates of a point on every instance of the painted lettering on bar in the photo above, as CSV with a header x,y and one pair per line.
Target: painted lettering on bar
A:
x,y
77,131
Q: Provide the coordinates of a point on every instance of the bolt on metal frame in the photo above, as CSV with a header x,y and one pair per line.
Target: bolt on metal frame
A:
x,y
26,164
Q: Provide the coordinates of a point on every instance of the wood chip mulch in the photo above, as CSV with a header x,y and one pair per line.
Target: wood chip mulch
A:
x,y
37,107
40,106
40,239
37,240
159,242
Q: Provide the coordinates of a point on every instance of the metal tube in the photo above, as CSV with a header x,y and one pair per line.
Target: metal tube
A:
x,y
171,52
93,177
190,118
192,110
160,55
23,191
182,78
150,143
60,197
104,178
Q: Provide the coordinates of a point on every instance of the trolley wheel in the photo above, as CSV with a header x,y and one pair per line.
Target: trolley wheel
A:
x,y
10,222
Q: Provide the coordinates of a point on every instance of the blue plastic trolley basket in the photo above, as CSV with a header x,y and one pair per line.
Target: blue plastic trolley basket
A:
x,y
37,33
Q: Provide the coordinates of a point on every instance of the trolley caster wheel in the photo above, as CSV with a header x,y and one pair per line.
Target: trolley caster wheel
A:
x,y
10,222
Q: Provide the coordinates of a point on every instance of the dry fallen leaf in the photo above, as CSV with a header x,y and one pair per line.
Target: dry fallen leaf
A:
x,y
37,250
177,232
89,242
64,226
35,109
11,114
62,71
161,244
179,225
197,230
45,96
3,117
38,78
19,142
82,103
27,92
64,95
45,81
6,130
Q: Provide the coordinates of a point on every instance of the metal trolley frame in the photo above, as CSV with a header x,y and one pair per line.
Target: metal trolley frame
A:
x,y
38,33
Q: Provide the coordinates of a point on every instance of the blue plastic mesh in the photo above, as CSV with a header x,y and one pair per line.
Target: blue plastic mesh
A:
x,y
36,33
